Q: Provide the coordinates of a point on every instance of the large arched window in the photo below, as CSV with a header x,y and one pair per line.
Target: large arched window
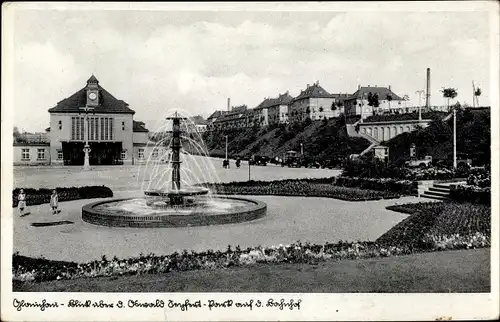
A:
x,y
382,134
375,132
401,130
408,128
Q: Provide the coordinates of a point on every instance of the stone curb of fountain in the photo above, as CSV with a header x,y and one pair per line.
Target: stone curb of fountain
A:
x,y
93,216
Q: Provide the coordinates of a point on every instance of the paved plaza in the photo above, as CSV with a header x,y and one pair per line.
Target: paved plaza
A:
x,y
288,219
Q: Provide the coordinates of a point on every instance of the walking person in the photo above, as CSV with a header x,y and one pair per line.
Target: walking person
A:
x,y
54,202
21,198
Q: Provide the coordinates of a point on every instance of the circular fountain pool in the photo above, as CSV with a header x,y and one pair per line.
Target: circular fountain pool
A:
x,y
135,212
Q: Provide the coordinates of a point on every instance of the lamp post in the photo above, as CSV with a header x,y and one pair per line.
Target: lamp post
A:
x,y
249,169
302,149
226,147
86,148
454,138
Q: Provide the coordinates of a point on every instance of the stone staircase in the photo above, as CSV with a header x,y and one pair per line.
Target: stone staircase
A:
x,y
439,191
373,143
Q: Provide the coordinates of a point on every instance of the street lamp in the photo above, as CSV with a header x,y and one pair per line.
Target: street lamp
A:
x,y
454,138
302,149
86,148
226,147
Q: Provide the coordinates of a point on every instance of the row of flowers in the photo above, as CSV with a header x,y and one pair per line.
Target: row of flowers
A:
x,y
42,195
404,187
28,269
479,177
302,187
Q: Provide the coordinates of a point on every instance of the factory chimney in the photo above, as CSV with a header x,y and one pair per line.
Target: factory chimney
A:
x,y
229,104
428,93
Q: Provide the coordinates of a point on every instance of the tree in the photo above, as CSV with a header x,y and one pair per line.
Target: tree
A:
x,y
449,93
321,108
477,93
389,99
406,98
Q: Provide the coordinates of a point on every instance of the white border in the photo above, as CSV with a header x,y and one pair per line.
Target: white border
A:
x,y
313,306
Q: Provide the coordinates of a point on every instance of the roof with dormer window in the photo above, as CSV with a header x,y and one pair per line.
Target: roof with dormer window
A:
x,y
107,102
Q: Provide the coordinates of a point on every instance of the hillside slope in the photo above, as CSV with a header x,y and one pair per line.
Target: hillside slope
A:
x,y
320,139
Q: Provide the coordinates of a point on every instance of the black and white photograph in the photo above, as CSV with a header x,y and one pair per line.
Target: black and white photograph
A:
x,y
250,161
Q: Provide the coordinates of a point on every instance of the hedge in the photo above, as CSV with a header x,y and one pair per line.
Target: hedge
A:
x,y
42,195
473,194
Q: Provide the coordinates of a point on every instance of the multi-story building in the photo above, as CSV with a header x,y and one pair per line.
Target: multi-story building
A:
x,y
110,130
389,102
314,103
276,109
212,118
197,124
238,117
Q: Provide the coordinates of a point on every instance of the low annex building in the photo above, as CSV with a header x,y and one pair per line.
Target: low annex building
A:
x,y
113,135
388,101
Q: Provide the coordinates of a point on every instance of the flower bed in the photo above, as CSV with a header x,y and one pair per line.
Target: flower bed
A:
x,y
473,194
301,187
27,269
404,187
41,196
431,222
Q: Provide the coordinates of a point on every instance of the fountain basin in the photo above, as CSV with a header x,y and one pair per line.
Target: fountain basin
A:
x,y
134,212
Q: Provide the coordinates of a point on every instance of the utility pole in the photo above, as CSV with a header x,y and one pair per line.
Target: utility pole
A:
x,y
454,138
302,149
420,93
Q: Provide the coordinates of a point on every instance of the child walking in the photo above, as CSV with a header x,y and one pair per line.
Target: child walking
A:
x,y
21,198
54,202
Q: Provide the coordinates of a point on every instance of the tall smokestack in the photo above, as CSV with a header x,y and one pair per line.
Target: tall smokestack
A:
x,y
428,93
229,104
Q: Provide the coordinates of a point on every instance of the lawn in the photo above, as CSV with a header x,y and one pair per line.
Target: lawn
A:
x,y
449,271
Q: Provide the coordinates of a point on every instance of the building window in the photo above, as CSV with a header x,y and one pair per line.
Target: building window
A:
x,y
25,154
141,153
155,153
111,128
106,129
124,154
59,154
401,129
102,128
41,154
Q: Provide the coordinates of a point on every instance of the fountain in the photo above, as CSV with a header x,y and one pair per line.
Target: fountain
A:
x,y
175,206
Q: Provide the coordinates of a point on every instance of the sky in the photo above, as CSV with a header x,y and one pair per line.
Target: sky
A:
x,y
161,60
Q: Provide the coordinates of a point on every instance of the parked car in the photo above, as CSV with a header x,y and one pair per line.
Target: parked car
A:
x,y
420,163
259,160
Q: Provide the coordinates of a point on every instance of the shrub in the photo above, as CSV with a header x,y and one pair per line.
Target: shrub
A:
x,y
473,194
42,195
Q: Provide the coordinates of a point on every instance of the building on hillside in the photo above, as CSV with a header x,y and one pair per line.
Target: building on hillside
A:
x,y
314,103
238,117
339,102
277,108
389,102
213,117
112,135
197,124
261,112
